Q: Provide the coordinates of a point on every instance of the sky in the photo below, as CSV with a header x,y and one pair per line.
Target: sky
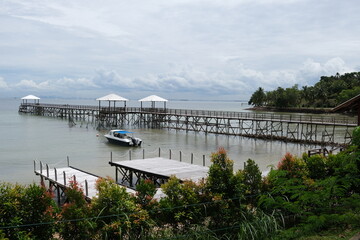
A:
x,y
177,49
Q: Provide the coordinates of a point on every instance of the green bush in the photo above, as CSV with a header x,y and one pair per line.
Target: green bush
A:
x,y
118,216
26,205
317,166
356,137
181,207
75,217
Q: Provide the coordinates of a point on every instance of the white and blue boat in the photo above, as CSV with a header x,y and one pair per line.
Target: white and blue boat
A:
x,y
120,137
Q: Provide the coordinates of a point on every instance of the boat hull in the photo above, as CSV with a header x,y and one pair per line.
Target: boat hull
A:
x,y
119,137
117,142
124,143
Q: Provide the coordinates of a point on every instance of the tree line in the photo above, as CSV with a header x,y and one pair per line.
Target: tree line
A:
x,y
327,93
301,196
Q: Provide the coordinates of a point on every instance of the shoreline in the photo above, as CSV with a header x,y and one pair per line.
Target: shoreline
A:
x,y
293,110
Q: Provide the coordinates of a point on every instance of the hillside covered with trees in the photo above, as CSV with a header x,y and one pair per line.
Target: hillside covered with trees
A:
x,y
327,93
300,197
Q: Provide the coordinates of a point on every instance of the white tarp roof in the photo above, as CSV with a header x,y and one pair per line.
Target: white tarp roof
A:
x,y
153,98
30,97
112,97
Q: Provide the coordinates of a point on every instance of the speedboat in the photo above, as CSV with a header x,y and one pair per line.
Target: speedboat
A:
x,y
120,137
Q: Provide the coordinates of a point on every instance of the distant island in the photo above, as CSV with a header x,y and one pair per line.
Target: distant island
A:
x,y
324,95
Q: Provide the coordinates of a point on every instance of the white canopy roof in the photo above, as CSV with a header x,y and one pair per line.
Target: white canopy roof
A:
x,y
30,97
112,97
153,98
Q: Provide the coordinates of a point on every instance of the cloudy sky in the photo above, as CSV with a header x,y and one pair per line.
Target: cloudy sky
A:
x,y
193,49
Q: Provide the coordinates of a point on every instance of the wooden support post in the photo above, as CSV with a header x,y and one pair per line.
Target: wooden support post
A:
x,y
131,178
159,152
47,170
64,178
55,171
34,165
110,156
86,188
143,153
180,156
204,160
192,158
68,161
40,167
129,154
358,111
169,153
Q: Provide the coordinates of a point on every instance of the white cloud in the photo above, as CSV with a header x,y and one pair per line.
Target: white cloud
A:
x,y
208,47
3,84
238,82
32,85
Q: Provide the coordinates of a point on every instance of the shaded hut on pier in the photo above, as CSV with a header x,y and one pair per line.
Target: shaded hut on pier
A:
x,y
30,97
112,98
153,99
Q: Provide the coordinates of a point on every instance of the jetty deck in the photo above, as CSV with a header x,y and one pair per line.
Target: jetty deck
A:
x,y
157,169
62,178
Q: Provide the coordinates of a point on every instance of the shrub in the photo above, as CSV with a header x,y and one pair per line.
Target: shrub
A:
x,y
118,216
219,181
181,206
24,205
252,181
75,216
317,166
145,192
294,166
356,137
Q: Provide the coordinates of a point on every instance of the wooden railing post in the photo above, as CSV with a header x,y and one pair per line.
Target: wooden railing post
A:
x,y
64,178
86,188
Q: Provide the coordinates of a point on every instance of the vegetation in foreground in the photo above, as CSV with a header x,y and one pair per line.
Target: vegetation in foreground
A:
x,y
327,93
301,198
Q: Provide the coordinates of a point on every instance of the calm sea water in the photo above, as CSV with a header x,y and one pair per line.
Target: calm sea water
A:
x,y
25,138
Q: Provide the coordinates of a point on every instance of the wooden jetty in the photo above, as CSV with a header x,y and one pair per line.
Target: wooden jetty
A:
x,y
324,130
156,169
61,178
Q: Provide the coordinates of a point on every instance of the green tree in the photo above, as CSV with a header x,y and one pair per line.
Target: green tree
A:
x,y
258,98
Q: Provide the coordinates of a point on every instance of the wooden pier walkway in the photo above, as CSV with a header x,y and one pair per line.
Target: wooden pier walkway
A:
x,y
303,128
62,178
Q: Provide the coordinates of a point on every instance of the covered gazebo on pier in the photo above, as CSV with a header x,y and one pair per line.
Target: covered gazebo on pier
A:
x,y
153,99
30,97
112,98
